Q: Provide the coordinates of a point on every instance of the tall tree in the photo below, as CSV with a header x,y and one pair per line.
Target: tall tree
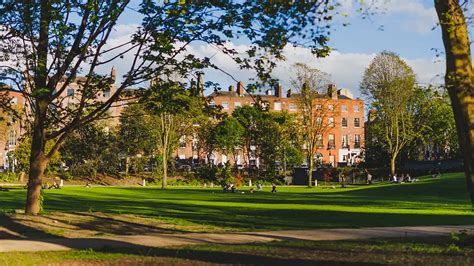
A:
x,y
278,143
228,136
135,133
249,117
315,111
90,150
459,78
390,85
174,110
434,121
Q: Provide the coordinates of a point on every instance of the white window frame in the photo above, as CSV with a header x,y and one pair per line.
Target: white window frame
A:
x,y
342,122
331,121
277,106
293,107
225,105
358,120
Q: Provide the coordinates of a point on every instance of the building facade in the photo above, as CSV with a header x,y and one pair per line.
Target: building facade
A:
x,y
341,144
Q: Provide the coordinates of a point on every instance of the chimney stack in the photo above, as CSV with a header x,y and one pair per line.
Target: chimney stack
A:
x,y
200,84
278,91
113,74
332,91
193,87
288,93
240,88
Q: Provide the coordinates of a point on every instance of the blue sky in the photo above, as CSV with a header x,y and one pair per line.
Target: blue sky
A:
x,y
402,26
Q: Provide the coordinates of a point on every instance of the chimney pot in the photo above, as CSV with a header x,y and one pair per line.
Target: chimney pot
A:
x,y
113,74
332,91
240,88
231,88
200,84
288,93
278,91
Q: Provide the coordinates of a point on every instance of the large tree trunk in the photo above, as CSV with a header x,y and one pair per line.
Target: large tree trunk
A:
x,y
165,170
393,160
459,79
38,162
37,167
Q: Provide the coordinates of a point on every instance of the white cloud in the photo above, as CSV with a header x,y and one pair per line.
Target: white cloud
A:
x,y
346,69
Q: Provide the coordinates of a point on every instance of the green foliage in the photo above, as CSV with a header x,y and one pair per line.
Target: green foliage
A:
x,y
275,136
91,149
436,126
389,83
8,177
135,135
228,135
207,173
22,156
224,175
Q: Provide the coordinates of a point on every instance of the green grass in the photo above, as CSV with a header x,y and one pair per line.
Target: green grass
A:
x,y
419,251
428,202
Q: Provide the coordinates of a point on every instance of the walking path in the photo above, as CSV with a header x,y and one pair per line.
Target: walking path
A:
x,y
163,240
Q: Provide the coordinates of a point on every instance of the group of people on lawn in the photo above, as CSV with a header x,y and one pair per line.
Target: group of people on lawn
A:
x,y
232,188
403,179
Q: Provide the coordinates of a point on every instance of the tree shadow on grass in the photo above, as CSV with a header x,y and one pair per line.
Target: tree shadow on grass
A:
x,y
246,218
222,257
21,231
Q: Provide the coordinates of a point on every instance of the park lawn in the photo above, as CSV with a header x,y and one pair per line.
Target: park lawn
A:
x,y
406,251
442,201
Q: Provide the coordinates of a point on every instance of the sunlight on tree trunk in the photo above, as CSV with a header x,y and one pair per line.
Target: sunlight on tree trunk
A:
x,y
459,79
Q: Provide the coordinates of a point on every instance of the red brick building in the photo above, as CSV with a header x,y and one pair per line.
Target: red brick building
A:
x,y
11,128
341,144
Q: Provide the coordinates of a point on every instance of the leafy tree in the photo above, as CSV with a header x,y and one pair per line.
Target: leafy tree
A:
x,y
434,121
249,116
315,114
174,110
459,77
390,85
206,137
22,156
375,153
228,136
135,134
90,150
277,143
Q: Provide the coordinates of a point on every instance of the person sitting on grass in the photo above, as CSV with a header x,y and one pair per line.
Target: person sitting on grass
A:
x,y
54,186
394,178
232,188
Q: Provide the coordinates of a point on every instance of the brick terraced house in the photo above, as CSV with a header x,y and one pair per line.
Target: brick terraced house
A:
x,y
340,146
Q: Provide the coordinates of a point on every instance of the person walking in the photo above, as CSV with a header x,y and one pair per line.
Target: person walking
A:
x,y
274,188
